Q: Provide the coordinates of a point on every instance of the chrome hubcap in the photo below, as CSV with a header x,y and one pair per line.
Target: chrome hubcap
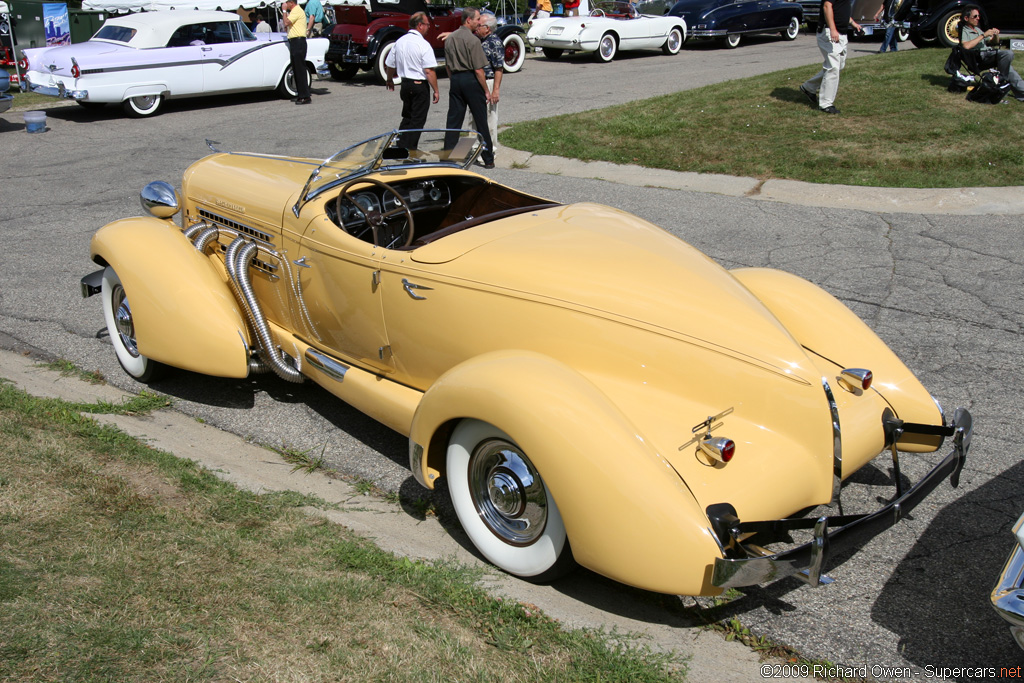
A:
x,y
674,39
507,492
123,321
606,47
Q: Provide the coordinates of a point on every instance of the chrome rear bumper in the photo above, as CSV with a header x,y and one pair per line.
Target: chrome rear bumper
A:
x,y
1008,595
748,564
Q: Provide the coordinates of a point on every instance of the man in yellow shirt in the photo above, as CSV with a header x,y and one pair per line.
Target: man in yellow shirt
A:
x,y
295,22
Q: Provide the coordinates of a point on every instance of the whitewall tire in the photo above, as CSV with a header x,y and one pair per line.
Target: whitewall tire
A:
x,y
674,42
145,105
504,505
515,52
121,327
606,48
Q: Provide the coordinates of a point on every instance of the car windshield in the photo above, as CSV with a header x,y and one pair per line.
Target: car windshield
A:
x,y
410,148
615,7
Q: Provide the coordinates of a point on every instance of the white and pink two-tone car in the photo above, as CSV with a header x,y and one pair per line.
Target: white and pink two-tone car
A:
x,y
140,60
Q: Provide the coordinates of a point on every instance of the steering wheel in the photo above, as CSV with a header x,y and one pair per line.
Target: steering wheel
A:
x,y
377,219
597,12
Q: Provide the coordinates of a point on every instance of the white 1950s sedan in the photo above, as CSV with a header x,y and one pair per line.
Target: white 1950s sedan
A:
x,y
142,59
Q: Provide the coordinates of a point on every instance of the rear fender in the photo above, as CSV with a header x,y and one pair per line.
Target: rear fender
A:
x,y
144,90
184,311
628,514
824,325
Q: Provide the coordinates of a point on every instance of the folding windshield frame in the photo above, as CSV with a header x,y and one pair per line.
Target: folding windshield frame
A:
x,y
380,163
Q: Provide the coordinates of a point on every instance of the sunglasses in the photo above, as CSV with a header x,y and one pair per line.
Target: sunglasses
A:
x,y
974,16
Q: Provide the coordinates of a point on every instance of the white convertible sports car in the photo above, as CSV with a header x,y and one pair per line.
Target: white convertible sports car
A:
x,y
606,29
142,59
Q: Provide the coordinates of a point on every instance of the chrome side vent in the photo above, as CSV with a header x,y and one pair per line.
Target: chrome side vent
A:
x,y
240,228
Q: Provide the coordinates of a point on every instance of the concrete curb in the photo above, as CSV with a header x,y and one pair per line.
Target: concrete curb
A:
x,y
968,201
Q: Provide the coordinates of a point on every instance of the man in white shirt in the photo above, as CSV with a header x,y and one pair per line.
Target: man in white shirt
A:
x,y
412,59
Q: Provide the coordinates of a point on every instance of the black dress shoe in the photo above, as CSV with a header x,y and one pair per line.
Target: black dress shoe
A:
x,y
303,100
830,109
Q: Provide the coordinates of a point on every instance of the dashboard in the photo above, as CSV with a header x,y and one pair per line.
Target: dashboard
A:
x,y
419,195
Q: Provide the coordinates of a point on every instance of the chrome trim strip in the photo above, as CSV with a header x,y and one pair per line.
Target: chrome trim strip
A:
x,y
837,444
332,368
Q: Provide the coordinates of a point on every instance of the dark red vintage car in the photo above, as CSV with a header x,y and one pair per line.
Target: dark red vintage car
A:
x,y
362,38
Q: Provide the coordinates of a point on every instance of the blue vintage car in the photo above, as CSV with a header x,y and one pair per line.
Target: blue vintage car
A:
x,y
6,99
729,20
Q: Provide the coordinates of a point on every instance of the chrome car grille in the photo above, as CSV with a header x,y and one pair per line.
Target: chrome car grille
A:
x,y
228,225
240,228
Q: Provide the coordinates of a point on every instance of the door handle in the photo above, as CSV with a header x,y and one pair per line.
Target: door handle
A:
x,y
409,286
302,263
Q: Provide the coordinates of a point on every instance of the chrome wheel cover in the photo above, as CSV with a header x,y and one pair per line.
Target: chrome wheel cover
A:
x,y
145,102
507,492
675,40
123,320
607,47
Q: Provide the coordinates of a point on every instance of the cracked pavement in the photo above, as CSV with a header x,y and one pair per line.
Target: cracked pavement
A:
x,y
944,291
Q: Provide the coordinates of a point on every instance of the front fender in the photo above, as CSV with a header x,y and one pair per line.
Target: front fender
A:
x,y
825,326
184,312
628,514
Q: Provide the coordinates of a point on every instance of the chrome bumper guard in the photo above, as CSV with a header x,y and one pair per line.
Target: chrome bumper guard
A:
x,y
1008,595
57,91
835,537
92,283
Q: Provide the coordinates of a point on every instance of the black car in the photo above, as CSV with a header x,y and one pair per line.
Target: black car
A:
x,y
934,22
728,20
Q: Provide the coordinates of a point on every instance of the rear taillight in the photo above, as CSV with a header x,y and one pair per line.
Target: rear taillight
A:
x,y
75,71
853,379
718,448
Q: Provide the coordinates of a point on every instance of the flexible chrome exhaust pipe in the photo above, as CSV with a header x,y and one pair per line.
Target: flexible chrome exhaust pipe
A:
x,y
205,237
237,259
190,231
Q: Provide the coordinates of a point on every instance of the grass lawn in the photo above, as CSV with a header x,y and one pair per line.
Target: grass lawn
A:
x,y
899,127
119,562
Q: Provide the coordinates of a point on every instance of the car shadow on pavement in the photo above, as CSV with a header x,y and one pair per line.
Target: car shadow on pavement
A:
x,y
937,600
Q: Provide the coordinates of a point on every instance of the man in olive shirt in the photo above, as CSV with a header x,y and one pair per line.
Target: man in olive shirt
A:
x,y
465,60
295,22
986,45
822,89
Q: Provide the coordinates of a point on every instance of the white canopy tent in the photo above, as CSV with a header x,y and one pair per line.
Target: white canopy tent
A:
x,y
119,6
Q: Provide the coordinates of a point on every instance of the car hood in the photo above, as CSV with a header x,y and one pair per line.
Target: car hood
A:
x,y
608,263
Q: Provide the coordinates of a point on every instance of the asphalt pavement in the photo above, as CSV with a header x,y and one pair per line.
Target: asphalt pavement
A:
x,y
941,287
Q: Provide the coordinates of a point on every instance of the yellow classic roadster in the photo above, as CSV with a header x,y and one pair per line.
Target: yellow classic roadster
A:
x,y
590,388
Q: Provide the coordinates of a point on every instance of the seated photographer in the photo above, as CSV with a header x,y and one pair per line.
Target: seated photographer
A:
x,y
985,45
